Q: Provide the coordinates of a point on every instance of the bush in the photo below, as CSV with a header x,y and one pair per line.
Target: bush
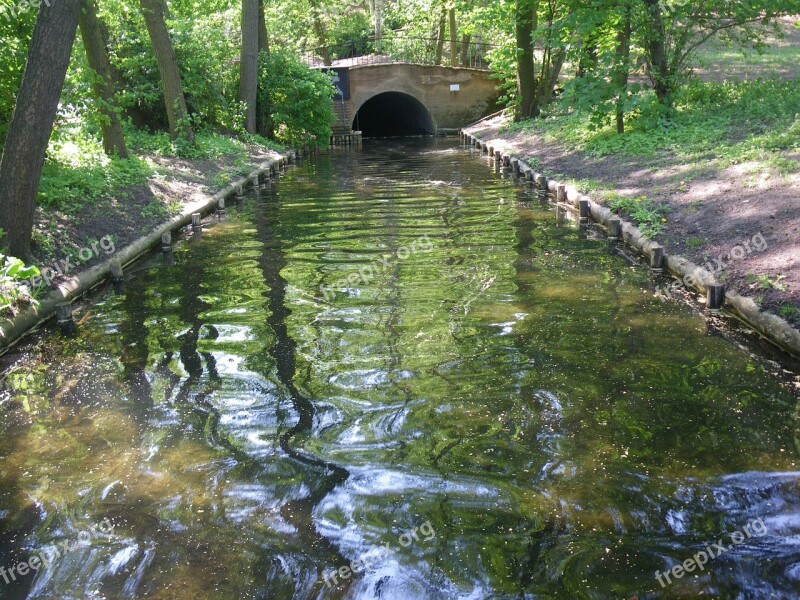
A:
x,y
298,99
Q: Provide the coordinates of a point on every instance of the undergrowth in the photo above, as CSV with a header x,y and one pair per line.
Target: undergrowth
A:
x,y
77,170
734,122
648,216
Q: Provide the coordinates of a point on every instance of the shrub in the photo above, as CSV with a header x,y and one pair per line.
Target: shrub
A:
x,y
297,97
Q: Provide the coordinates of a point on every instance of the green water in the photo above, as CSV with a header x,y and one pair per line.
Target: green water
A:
x,y
494,405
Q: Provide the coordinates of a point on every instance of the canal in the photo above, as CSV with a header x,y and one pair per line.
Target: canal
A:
x,y
395,374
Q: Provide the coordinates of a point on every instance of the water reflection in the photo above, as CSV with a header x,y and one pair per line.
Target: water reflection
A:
x,y
564,433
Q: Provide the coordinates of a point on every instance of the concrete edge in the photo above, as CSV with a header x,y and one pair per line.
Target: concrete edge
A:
x,y
772,327
14,329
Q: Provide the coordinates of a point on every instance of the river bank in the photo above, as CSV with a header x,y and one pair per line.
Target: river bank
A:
x,y
710,211
92,239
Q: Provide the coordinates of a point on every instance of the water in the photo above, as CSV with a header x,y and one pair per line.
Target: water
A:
x,y
494,405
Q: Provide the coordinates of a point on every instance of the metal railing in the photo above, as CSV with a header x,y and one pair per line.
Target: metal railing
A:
x,y
394,48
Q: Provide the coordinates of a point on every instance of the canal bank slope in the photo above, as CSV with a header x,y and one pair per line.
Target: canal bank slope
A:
x,y
709,212
83,248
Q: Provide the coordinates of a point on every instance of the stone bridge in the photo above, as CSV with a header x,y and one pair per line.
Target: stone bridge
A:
x,y
410,99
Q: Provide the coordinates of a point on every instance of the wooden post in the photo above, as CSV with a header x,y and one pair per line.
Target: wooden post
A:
x,y
65,321
514,162
561,193
116,271
166,242
498,156
715,296
196,221
239,192
614,228
583,207
221,204
541,187
656,257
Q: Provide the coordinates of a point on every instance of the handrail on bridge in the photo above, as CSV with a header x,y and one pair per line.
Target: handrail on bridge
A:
x,y
401,49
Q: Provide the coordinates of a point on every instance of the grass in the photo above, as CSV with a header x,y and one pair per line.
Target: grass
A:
x,y
782,56
693,243
733,122
77,171
648,216
789,312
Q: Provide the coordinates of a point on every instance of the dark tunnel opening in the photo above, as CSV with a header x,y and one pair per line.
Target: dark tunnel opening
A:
x,y
393,114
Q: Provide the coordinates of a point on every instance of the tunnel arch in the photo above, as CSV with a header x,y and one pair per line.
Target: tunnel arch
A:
x,y
391,114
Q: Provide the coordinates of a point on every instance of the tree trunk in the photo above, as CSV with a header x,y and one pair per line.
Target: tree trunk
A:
x,y
549,78
622,65
263,36
377,18
453,39
94,41
526,72
440,38
264,124
465,50
179,126
656,47
248,65
479,47
32,121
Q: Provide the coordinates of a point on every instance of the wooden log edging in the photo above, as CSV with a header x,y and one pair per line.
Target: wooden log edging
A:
x,y
772,327
14,329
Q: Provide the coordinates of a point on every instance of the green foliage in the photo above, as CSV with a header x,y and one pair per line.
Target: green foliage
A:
x,y
207,52
693,243
15,31
13,289
299,99
77,171
765,282
208,144
789,312
349,36
710,121
648,216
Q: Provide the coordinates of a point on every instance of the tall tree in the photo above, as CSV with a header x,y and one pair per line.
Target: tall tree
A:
x,y
622,62
264,123
94,41
177,113
263,36
453,38
248,65
32,121
440,36
526,21
535,90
